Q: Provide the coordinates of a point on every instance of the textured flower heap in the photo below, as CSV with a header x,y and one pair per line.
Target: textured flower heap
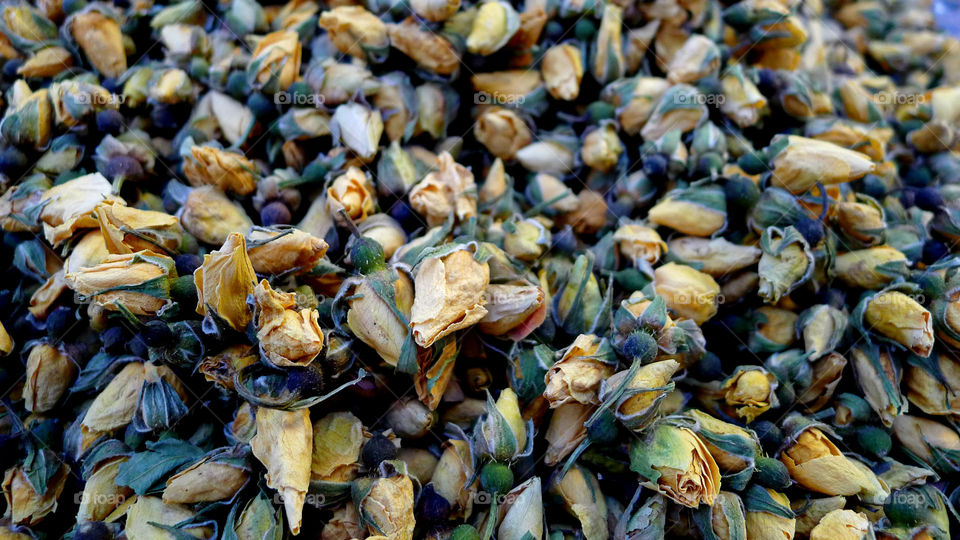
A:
x,y
467,270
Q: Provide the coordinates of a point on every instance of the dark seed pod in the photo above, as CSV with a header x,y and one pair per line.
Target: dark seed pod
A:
x,y
377,449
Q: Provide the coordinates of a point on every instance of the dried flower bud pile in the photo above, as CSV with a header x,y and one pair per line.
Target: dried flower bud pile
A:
x,y
470,270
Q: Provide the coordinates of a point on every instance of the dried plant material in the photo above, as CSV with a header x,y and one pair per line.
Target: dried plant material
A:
x,y
224,281
449,295
284,443
288,337
448,190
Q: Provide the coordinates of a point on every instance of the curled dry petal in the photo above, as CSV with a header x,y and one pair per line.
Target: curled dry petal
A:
x,y
449,296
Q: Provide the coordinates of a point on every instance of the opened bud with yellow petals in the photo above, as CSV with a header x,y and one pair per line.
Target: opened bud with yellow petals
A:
x,y
578,374
674,461
224,281
126,230
351,192
288,337
750,391
450,189
229,171
138,282
449,295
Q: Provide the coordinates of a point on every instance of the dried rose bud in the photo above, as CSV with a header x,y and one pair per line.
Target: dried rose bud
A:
x,y
899,318
146,511
284,444
936,392
216,477
769,514
449,295
337,441
229,171
211,217
608,62
878,377
387,506
29,115
450,189
602,148
493,25
70,206
699,57
101,494
522,515
642,394
817,464
435,10
675,462
567,429
578,374
279,252
786,263
355,31
562,71
287,337
49,374
502,433
140,282
719,256
502,132
751,392
513,311
859,268
801,163
359,127
24,505
639,243
47,62
581,495
101,40
431,51
224,281
275,63
696,211
843,525
743,102
688,292
929,441
351,192
126,230
454,477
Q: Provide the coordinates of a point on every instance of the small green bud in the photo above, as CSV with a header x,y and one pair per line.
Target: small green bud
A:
x,y
496,478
